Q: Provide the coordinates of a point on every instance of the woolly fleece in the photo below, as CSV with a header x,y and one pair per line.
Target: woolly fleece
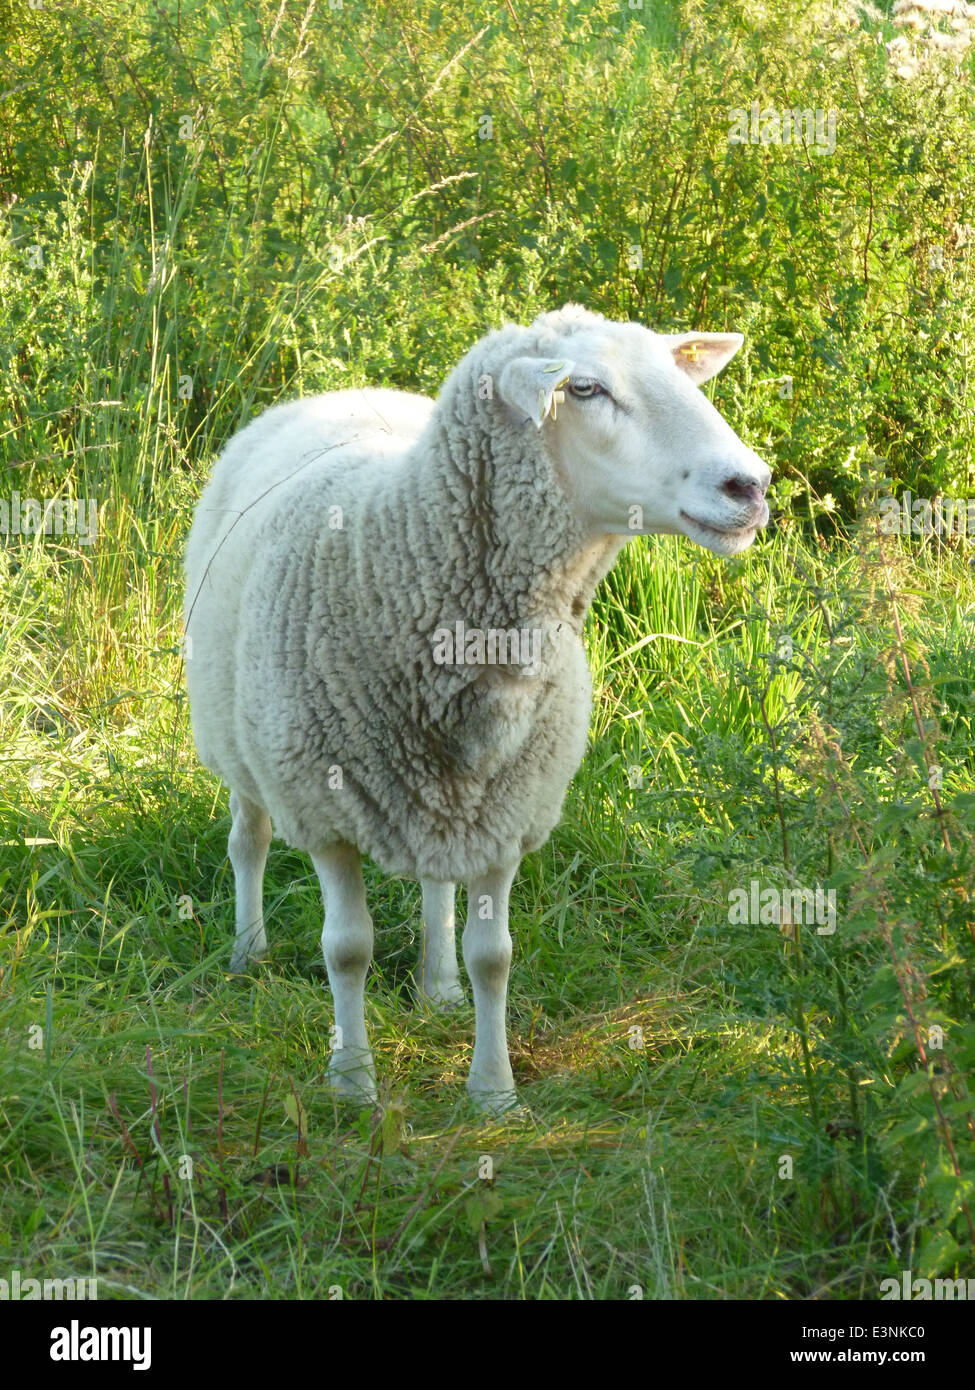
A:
x,y
337,534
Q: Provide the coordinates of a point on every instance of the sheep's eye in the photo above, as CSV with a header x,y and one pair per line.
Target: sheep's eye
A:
x,y
584,390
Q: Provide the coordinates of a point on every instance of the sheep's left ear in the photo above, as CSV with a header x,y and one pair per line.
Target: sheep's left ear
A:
x,y
530,384
702,355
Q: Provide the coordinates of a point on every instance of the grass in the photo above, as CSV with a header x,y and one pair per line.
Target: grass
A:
x,y
169,1130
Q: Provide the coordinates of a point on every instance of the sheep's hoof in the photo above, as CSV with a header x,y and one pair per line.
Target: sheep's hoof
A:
x,y
250,946
240,961
493,1102
444,996
359,1087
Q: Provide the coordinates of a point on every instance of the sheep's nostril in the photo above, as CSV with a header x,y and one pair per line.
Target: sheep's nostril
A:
x,y
742,489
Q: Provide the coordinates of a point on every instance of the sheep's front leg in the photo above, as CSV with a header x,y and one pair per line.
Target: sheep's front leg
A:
x,y
487,955
439,980
250,836
347,941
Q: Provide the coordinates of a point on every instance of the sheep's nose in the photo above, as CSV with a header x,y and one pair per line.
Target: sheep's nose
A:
x,y
746,487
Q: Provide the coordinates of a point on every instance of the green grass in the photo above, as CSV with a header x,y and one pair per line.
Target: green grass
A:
x,y
648,1158
713,1110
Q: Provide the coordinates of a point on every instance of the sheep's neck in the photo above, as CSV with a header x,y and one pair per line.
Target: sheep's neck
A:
x,y
566,591
521,556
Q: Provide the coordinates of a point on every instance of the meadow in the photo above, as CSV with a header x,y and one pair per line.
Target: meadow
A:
x,y
206,209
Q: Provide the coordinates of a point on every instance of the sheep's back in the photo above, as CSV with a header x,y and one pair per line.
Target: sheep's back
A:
x,y
306,452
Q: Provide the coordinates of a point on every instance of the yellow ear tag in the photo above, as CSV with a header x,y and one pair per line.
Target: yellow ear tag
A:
x,y
692,352
557,395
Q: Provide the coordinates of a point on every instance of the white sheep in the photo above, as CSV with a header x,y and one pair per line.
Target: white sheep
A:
x,y
384,604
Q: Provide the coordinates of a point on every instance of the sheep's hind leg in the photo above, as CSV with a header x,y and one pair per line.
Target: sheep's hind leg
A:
x,y
487,955
439,980
347,942
250,836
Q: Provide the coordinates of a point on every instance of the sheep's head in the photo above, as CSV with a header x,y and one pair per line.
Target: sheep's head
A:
x,y
638,448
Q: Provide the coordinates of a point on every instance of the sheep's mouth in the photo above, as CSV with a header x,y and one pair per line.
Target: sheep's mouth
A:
x,y
728,533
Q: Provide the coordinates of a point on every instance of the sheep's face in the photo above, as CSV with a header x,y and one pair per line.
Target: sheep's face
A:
x,y
638,447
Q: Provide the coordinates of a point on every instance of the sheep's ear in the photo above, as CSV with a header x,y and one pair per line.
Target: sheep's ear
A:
x,y
702,355
529,384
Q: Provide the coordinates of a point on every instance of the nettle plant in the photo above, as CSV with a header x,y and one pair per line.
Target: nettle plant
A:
x,y
856,772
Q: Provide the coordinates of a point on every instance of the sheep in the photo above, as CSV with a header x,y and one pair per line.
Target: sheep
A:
x,y
348,563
